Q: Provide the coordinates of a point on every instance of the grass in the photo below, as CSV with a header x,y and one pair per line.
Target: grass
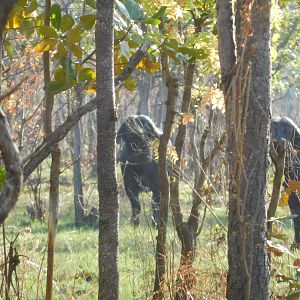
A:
x,y
76,266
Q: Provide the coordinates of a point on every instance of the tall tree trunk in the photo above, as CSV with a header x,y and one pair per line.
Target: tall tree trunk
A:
x,y
247,91
54,168
76,157
160,269
185,278
106,154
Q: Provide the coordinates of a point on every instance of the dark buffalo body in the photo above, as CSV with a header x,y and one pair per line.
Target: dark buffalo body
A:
x,y
285,128
139,168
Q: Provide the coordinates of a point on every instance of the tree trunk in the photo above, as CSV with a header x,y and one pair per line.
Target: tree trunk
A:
x,y
76,157
247,91
8,149
160,270
185,282
106,154
54,168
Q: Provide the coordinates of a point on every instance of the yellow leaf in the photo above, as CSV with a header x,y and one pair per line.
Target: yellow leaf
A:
x,y
45,45
148,65
187,118
91,91
130,84
284,199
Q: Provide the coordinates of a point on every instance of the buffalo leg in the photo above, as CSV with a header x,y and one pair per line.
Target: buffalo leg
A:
x,y
133,196
294,205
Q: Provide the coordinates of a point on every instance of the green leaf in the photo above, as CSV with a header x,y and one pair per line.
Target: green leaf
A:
x,y
9,49
55,87
130,84
61,51
74,35
66,23
60,75
161,12
122,9
55,16
152,21
134,9
87,21
91,3
2,177
48,32
33,5
75,50
45,45
86,74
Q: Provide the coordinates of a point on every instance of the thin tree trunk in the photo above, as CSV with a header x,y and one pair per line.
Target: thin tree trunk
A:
x,y
247,91
185,279
76,157
106,154
160,269
54,168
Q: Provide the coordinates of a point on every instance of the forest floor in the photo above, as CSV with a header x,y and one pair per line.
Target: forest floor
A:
x,y
76,266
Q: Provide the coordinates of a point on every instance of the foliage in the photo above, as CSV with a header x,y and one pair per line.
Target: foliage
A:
x,y
285,56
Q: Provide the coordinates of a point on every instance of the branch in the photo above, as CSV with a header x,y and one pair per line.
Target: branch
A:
x,y
47,146
12,90
131,65
13,166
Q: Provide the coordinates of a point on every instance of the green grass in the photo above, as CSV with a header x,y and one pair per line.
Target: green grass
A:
x,y
76,266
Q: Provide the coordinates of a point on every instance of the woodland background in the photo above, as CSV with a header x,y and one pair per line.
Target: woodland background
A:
x,y
48,94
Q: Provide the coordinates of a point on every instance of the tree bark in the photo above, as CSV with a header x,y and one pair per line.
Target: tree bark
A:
x,y
106,154
185,280
160,269
76,157
54,167
8,149
247,90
